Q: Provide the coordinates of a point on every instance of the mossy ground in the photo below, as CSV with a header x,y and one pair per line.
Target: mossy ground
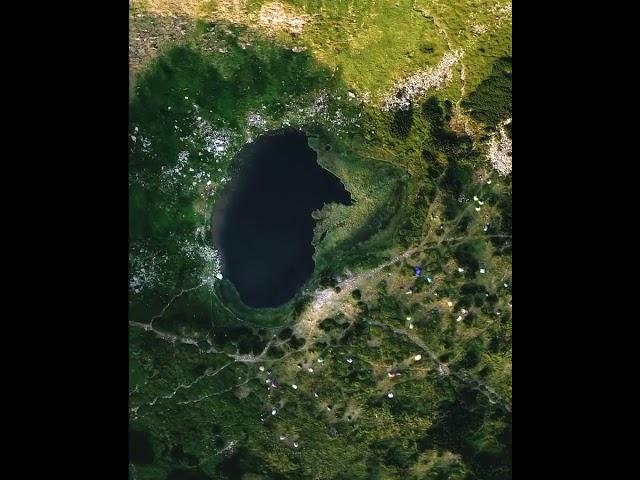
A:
x,y
201,406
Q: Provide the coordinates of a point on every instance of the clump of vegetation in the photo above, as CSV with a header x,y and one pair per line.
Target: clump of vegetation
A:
x,y
402,122
490,102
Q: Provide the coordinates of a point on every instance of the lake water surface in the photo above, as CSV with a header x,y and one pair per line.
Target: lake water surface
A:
x,y
262,222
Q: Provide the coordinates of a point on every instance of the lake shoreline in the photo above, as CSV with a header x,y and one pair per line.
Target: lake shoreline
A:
x,y
262,223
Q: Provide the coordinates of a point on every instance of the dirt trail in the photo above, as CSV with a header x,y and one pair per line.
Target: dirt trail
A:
x,y
327,302
443,368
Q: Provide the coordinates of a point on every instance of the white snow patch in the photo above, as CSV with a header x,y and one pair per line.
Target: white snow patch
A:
x,y
500,150
413,87
256,120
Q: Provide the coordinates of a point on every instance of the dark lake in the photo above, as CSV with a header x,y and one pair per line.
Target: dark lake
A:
x,y
262,222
